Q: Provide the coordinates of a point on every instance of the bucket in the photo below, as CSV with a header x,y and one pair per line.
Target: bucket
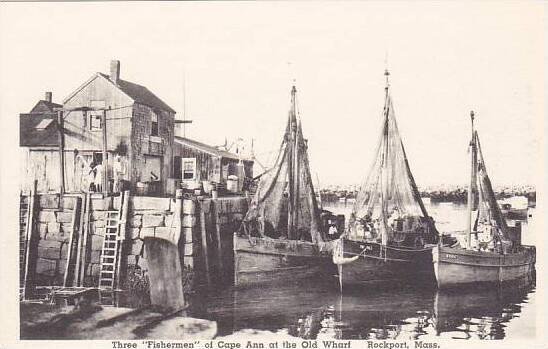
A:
x,y
141,188
189,207
232,184
208,186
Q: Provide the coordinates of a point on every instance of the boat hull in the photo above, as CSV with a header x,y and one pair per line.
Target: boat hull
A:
x,y
266,260
454,266
393,265
515,213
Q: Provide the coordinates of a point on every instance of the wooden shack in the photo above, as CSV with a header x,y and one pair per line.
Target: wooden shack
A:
x,y
197,161
138,133
39,143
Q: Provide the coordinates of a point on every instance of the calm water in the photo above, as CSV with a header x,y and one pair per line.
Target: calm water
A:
x,y
317,310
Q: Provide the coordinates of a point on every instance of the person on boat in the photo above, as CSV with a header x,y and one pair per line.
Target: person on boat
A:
x,y
332,232
394,217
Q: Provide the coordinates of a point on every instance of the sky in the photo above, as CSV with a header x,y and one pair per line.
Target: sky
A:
x,y
239,61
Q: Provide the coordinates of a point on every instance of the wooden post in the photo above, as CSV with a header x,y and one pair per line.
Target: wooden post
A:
x,y
218,234
82,271
61,152
204,241
71,241
83,209
105,172
124,202
28,285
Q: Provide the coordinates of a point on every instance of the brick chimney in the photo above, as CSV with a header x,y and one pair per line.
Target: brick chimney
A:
x,y
48,97
115,71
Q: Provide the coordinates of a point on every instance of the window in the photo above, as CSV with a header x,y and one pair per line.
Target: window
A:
x,y
95,115
43,124
95,120
154,126
189,168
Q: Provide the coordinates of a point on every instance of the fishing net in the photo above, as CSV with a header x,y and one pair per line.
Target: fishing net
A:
x,y
284,205
489,213
389,190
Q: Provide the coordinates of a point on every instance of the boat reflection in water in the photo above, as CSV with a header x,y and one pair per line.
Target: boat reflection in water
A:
x,y
319,311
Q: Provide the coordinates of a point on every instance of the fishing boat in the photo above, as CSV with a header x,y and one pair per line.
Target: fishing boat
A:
x,y
515,208
281,237
492,251
390,235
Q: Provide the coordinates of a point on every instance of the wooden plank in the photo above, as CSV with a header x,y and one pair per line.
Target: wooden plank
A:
x,y
121,317
75,211
218,235
204,242
122,233
82,272
165,273
29,242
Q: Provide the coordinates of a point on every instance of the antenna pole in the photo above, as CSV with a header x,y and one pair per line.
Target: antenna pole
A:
x,y
184,104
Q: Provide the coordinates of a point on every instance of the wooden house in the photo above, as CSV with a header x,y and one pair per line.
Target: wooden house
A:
x,y
137,133
194,161
39,142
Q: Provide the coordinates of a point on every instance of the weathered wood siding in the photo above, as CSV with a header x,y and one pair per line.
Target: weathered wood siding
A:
x,y
146,151
129,123
208,167
41,165
76,124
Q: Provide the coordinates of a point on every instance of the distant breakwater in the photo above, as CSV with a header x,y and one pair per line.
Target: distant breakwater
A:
x,y
455,195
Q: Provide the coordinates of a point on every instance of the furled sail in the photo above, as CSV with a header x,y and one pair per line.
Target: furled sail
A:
x,y
284,205
389,191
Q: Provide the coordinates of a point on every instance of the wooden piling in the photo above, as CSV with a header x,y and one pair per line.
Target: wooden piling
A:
x,y
83,209
216,216
164,264
30,265
72,237
204,242
124,203
82,272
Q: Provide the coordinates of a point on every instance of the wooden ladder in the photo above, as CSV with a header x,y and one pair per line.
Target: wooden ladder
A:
x,y
23,236
109,272
109,257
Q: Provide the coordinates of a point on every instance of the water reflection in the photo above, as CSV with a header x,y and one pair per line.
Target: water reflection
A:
x,y
318,311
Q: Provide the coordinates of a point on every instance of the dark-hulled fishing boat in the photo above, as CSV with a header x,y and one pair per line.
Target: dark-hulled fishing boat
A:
x,y
390,233
281,236
493,252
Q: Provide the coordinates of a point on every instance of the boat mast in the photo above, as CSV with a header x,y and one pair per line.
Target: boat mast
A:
x,y
471,185
384,179
291,217
296,164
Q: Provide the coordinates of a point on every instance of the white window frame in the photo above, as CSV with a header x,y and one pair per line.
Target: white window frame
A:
x,y
95,116
183,162
154,118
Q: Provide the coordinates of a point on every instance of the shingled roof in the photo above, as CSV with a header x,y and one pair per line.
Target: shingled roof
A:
x,y
209,149
44,106
31,136
140,94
